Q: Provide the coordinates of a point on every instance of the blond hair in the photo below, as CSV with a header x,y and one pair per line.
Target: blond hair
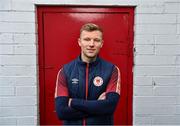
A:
x,y
91,27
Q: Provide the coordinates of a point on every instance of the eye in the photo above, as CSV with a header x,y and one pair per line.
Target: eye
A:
x,y
87,39
97,40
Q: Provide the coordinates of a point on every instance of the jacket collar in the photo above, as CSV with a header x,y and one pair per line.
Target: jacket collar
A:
x,y
90,64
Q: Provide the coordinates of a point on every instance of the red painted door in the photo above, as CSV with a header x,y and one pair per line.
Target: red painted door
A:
x,y
58,31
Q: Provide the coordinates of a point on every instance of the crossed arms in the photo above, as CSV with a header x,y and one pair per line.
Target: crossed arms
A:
x,y
70,109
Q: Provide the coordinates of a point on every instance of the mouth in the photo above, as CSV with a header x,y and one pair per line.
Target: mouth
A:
x,y
91,50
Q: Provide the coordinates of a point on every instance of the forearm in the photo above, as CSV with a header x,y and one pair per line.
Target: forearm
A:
x,y
67,113
98,107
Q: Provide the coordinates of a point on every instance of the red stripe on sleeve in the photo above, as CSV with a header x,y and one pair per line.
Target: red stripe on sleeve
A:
x,y
61,85
114,83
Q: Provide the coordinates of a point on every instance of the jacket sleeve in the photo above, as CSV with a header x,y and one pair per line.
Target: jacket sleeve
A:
x,y
106,106
61,100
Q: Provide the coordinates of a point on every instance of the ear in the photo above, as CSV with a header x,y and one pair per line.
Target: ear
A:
x,y
102,42
79,41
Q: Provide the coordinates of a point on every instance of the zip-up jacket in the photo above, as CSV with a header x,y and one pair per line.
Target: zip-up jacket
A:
x,y
84,83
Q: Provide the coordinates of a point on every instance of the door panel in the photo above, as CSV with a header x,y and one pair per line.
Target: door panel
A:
x,y
59,30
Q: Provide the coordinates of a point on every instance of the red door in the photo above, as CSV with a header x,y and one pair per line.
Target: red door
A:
x,y
58,31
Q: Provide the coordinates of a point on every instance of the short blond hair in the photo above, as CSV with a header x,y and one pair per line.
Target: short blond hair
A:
x,y
91,27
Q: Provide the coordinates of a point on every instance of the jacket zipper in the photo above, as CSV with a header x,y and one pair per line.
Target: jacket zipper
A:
x,y
87,73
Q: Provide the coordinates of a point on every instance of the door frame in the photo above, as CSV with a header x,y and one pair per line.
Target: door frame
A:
x,y
43,9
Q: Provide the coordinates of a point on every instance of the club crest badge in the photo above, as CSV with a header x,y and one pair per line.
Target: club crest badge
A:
x,y
98,81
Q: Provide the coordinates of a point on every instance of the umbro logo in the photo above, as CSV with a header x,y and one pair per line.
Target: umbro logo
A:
x,y
75,81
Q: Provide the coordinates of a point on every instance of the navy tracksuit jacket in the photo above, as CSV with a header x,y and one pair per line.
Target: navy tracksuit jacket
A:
x,y
84,83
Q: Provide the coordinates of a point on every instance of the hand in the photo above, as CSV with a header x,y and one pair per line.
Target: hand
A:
x,y
69,102
102,96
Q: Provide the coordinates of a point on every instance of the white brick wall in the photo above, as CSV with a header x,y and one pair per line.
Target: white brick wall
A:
x,y
18,70
9,27
167,39
149,29
17,16
156,97
157,65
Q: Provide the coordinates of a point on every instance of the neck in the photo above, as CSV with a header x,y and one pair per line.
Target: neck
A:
x,y
88,59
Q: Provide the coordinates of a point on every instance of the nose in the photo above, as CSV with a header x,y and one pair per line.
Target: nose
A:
x,y
91,43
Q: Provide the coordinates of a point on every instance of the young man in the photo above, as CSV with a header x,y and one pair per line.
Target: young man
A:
x,y
88,88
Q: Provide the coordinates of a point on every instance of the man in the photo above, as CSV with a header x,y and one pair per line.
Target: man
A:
x,y
88,88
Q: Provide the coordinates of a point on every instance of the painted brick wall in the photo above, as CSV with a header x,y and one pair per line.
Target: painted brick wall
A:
x,y
156,97
157,63
18,64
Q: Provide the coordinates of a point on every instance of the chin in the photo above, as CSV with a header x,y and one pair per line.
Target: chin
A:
x,y
91,56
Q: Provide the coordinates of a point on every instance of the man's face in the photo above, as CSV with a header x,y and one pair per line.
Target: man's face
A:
x,y
90,43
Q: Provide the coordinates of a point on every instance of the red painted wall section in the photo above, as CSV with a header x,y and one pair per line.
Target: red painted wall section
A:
x,y
58,31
